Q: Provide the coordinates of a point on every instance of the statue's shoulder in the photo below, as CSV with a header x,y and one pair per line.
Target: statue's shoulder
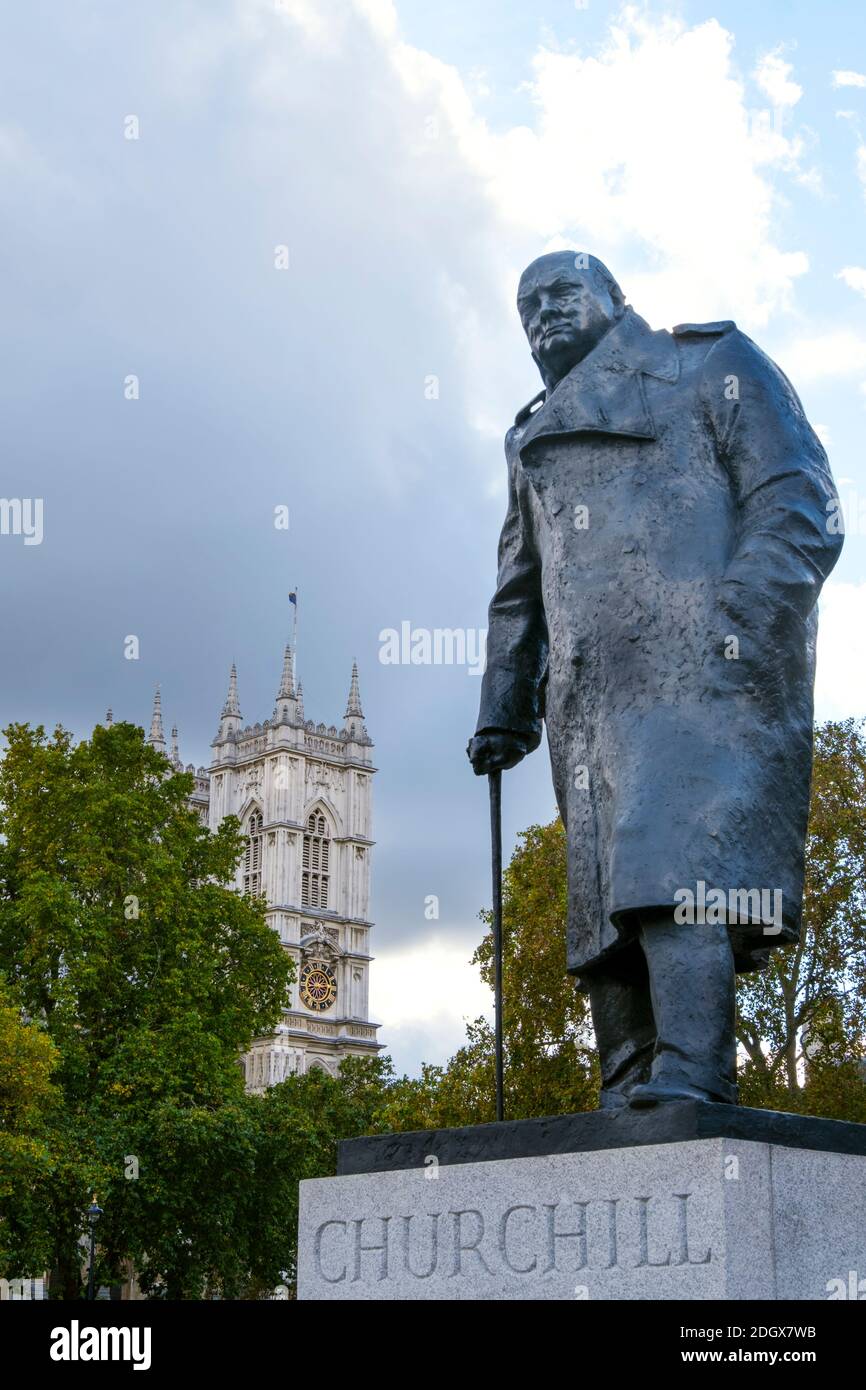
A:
x,y
529,409
521,420
717,346
734,365
724,346
705,330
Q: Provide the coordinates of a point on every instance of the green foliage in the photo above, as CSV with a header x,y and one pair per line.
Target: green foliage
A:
x,y
139,966
27,1099
817,989
214,1211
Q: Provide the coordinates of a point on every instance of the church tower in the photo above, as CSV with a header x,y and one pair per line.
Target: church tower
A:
x,y
302,793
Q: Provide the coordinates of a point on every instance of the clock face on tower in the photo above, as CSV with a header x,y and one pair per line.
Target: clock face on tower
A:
x,y
318,985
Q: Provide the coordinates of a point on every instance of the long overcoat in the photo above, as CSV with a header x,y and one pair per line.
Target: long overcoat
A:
x,y
671,519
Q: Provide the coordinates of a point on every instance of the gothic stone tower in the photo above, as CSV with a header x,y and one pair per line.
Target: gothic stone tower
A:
x,y
302,793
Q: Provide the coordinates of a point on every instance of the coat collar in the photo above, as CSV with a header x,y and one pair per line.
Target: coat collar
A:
x,y
604,394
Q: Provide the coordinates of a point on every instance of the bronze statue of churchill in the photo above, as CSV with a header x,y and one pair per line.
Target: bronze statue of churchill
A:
x,y
664,547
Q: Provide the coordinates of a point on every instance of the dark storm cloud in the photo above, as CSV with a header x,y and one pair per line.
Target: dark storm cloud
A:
x,y
154,258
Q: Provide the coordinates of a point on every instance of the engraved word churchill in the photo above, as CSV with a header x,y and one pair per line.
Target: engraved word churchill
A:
x,y
668,645
522,1239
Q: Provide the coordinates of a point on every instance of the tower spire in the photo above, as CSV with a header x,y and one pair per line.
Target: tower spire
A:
x,y
285,708
156,738
175,755
231,705
230,719
353,721
353,708
287,680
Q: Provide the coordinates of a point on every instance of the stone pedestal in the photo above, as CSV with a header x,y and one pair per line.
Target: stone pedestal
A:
x,y
686,1201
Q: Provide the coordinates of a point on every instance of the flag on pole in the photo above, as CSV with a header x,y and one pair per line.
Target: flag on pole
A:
x,y
293,600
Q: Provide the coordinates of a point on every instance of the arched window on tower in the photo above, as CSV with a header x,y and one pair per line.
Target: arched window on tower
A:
x,y
253,855
314,863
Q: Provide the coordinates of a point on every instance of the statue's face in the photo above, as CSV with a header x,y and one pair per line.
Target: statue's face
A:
x,y
564,312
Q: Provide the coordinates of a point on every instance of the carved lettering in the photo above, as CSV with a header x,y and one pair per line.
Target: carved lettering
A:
x,y
643,1216
434,1246
319,1241
361,1249
683,1229
503,1241
459,1248
564,1237
553,1235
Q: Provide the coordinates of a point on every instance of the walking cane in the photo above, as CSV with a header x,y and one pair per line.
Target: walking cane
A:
x,y
495,783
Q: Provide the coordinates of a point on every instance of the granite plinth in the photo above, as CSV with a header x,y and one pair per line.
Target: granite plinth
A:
x,y
708,1216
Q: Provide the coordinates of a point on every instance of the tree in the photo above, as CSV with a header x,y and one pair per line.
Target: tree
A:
x,y
815,992
127,947
27,1098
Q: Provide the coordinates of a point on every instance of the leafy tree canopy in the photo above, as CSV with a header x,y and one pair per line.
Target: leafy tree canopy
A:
x,y
125,944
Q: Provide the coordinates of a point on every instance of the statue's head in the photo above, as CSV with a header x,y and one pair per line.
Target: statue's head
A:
x,y
567,301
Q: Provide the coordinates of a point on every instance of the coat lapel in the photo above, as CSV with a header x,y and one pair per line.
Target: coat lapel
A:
x,y
604,394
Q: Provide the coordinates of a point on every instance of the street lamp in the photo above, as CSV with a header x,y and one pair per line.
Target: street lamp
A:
x,y
94,1211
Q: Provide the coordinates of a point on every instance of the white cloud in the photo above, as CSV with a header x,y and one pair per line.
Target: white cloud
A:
x,y
425,994
840,352
608,163
811,179
428,978
854,277
773,76
845,78
611,164
840,683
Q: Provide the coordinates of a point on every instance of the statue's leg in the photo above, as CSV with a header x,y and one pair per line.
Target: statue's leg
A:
x,y
691,971
622,1018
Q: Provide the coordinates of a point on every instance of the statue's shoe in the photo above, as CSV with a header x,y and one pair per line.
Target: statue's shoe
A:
x,y
657,1092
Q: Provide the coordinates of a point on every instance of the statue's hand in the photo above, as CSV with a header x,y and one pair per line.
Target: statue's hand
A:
x,y
495,750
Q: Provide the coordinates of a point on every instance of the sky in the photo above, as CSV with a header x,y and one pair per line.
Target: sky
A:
x,y
263,255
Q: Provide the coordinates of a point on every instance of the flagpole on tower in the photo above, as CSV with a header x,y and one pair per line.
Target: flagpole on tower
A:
x,y
293,600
